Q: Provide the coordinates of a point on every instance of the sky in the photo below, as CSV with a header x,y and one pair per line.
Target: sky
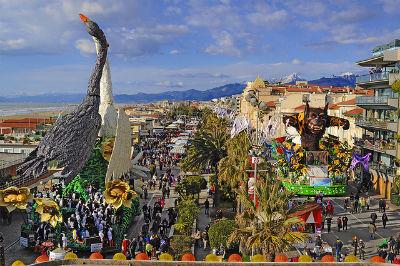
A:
x,y
161,45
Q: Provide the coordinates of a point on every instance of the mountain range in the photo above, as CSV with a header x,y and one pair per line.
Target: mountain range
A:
x,y
345,79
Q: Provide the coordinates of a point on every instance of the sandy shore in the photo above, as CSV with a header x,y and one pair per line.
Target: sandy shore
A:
x,y
46,114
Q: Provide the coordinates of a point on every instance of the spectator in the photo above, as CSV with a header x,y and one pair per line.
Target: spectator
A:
x,y
384,219
206,207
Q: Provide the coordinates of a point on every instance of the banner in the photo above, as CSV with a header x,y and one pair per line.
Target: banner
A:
x,y
239,124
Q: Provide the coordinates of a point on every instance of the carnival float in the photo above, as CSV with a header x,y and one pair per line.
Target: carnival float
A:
x,y
90,146
307,160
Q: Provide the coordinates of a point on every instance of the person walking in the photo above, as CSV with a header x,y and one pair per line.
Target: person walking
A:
x,y
355,245
373,217
339,223
368,202
345,221
338,247
384,219
371,230
206,207
361,249
328,223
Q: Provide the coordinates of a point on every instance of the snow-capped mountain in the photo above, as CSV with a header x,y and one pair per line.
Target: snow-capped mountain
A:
x,y
291,79
342,80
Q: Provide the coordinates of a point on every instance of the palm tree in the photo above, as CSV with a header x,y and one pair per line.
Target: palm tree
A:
x,y
232,168
207,148
267,226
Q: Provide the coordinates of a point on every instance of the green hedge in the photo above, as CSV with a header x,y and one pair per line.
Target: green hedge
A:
x,y
220,231
127,217
395,199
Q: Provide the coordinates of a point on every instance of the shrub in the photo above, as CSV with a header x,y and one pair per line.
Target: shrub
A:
x,y
180,244
191,186
220,231
188,211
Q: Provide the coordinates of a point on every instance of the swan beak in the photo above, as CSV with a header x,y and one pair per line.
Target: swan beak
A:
x,y
84,18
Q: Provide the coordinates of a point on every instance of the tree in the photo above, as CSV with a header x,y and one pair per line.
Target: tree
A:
x,y
188,211
267,226
190,186
220,231
232,168
207,148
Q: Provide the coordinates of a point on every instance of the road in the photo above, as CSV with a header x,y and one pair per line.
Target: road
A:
x,y
358,226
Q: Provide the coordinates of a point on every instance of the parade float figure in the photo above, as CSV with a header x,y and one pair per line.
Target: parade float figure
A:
x,y
312,123
316,164
70,141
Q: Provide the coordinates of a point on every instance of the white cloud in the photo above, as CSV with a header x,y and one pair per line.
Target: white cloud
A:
x,y
296,61
268,19
174,51
172,11
224,45
85,46
391,6
12,44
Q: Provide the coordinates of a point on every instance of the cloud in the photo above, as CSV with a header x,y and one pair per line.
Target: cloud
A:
x,y
172,11
268,19
296,61
141,41
174,51
12,44
85,46
390,6
225,45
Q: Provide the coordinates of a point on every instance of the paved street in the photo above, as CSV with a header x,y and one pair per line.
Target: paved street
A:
x,y
358,226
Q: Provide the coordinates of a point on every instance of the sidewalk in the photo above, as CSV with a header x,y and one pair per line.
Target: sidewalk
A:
x,y
202,222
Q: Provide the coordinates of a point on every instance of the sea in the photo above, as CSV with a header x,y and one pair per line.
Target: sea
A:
x,y
7,109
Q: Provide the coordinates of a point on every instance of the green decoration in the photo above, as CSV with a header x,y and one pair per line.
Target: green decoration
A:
x,y
220,231
304,190
396,86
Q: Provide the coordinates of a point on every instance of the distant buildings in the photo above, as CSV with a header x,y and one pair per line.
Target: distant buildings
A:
x,y
379,120
287,99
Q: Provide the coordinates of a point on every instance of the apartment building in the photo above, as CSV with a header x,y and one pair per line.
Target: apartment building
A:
x,y
288,99
379,120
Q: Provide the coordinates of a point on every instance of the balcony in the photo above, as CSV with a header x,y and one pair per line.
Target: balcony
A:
x,y
373,123
377,102
373,78
389,171
379,145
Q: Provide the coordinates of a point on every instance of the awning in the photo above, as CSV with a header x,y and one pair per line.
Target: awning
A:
x,y
178,150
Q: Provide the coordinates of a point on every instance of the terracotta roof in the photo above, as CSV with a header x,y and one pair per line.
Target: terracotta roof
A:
x,y
30,120
18,125
271,104
334,107
348,102
300,107
355,111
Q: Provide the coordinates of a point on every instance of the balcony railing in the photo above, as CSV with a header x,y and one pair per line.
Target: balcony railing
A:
x,y
373,77
383,168
372,100
375,144
377,123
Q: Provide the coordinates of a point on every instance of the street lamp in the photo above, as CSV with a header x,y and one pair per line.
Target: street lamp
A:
x,y
253,98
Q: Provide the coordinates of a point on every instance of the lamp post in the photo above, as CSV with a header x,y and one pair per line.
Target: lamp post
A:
x,y
253,98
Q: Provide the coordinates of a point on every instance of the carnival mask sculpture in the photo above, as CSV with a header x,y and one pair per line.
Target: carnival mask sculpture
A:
x,y
312,123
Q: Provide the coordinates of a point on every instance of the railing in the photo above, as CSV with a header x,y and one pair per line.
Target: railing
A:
x,y
375,144
373,77
372,100
383,168
6,164
373,122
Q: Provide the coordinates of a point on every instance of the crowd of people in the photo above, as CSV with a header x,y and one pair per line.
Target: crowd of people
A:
x,y
92,218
